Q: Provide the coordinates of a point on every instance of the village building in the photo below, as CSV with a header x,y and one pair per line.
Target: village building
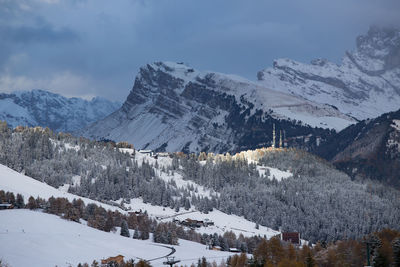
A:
x,y
292,237
146,152
117,259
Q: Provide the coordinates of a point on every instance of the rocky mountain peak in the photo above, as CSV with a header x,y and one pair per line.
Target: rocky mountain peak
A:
x,y
365,85
174,107
377,51
379,42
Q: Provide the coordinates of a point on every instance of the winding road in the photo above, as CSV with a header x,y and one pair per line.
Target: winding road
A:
x,y
173,250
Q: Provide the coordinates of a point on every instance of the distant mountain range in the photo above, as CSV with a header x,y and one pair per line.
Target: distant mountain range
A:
x,y
42,108
365,85
174,107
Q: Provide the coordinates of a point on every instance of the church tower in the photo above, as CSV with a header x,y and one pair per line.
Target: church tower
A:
x,y
280,139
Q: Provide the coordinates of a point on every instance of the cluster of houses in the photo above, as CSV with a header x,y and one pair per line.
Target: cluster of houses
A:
x,y
194,223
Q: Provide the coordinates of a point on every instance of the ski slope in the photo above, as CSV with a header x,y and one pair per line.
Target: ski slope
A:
x,y
33,238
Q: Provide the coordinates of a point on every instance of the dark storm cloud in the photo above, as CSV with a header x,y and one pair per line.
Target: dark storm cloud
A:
x,y
95,47
42,33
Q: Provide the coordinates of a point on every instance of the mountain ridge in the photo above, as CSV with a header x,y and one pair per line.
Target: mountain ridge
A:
x,y
174,107
369,149
365,85
47,109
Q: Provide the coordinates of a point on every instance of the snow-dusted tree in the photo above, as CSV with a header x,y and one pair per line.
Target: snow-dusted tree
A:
x,y
31,203
136,234
124,229
20,203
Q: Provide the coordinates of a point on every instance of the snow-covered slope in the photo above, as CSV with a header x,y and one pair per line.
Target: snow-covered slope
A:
x,y
365,85
173,107
42,108
17,183
30,238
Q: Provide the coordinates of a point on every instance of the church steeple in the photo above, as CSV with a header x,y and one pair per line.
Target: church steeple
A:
x,y
280,139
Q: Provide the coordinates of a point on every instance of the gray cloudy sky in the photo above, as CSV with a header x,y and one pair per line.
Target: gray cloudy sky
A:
x,y
91,48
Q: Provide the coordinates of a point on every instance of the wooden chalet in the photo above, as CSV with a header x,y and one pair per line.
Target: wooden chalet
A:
x,y
292,237
192,223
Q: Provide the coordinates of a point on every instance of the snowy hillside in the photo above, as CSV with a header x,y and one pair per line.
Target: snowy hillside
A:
x,y
15,182
30,238
204,186
18,183
42,108
174,107
365,85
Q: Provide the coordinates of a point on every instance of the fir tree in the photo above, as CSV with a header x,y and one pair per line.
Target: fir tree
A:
x,y
396,252
20,201
124,229
136,234
31,203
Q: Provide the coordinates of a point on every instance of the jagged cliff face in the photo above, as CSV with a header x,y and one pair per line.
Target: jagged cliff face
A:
x,y
173,107
42,108
365,85
368,149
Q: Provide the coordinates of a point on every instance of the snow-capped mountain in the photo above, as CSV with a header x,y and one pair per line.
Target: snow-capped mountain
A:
x,y
174,107
43,108
365,85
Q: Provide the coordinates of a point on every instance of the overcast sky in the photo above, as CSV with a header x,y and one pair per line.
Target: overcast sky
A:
x,y
89,48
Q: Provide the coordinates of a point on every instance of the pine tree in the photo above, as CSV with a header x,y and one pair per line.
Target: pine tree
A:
x,y
396,252
136,234
31,203
187,204
144,235
109,224
124,229
20,201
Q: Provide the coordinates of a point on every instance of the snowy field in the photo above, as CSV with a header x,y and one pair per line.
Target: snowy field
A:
x,y
13,181
33,238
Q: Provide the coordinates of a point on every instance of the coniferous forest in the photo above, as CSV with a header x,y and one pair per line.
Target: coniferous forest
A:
x,y
320,202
